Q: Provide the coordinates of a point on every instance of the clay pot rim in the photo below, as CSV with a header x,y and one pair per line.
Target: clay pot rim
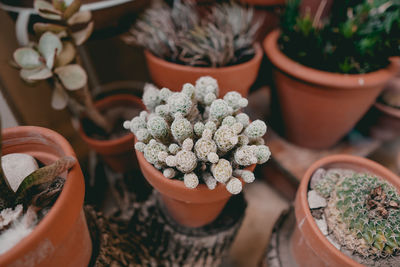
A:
x,y
219,192
101,104
395,112
69,190
301,197
324,78
179,67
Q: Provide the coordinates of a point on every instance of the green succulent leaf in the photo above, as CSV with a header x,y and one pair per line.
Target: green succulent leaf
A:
x,y
59,98
27,58
80,18
81,36
67,54
49,46
46,10
73,76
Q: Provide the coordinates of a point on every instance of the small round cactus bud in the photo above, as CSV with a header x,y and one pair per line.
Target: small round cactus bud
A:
x,y
127,125
169,173
181,128
187,144
173,149
162,110
243,140
165,93
247,176
243,118
211,125
143,135
191,180
209,180
199,128
219,109
151,96
235,100
152,150
158,127
225,138
204,146
158,166
212,157
228,120
263,154
237,127
162,155
222,171
144,115
256,129
186,161
258,141
188,89
135,124
171,161
179,102
234,186
245,156
204,86
209,98
140,146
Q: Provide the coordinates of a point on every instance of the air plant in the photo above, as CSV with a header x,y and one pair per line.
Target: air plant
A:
x,y
54,58
218,36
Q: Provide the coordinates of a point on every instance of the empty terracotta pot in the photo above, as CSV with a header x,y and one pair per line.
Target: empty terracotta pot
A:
x,y
61,238
310,248
318,107
189,207
232,78
117,153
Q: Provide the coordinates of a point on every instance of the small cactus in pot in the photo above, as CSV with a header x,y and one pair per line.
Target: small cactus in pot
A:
x,y
195,137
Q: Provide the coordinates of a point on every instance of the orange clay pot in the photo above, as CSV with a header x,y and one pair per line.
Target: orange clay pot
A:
x,y
189,207
117,153
309,246
61,238
318,107
232,78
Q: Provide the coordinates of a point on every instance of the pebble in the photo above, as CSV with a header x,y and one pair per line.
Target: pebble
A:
x,y
315,200
316,177
322,225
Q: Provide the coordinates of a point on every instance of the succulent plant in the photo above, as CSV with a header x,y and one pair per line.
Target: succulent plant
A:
x,y
220,35
199,141
54,57
363,213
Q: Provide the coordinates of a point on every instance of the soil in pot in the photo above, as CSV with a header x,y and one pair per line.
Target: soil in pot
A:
x,y
347,206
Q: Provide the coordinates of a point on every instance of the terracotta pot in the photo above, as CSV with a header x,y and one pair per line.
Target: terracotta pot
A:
x,y
117,153
309,246
62,237
232,78
318,107
189,207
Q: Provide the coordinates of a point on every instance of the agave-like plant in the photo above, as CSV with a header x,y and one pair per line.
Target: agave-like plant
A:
x,y
54,56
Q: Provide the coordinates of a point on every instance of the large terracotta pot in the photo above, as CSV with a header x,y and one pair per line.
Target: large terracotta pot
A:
x,y
117,153
62,237
189,207
318,107
310,248
232,78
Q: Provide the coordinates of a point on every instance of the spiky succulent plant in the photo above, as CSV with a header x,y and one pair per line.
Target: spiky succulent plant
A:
x,y
220,35
54,56
199,141
363,213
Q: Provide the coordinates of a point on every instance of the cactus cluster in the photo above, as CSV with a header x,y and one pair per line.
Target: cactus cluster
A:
x,y
363,213
194,136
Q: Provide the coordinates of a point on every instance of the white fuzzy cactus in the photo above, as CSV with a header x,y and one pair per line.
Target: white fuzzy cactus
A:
x,y
195,137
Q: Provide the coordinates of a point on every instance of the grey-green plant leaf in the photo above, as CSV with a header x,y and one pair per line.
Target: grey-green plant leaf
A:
x,y
67,54
59,99
73,76
46,10
27,58
71,9
38,74
41,28
49,46
80,17
81,36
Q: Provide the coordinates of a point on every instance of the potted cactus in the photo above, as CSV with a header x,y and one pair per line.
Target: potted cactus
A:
x,y
42,221
347,211
54,58
329,70
195,149
186,42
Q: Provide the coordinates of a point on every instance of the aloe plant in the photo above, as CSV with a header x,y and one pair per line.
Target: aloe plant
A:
x,y
54,56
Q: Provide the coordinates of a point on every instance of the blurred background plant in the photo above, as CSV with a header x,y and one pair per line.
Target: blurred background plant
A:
x,y
358,36
219,35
